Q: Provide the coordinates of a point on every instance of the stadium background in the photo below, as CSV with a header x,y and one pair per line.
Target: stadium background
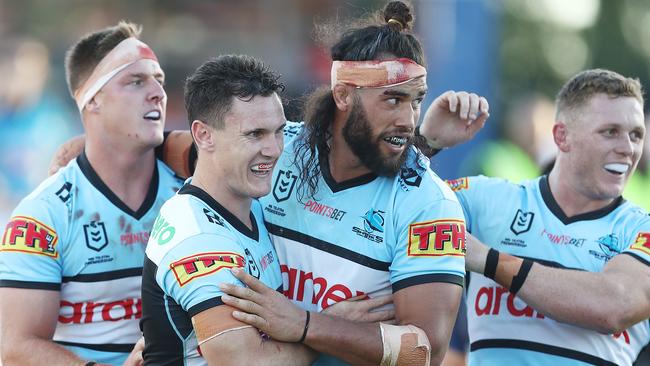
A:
x,y
515,52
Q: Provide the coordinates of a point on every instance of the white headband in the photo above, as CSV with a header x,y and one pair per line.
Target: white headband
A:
x,y
123,55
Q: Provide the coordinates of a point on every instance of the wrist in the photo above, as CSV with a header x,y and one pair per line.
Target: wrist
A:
x,y
306,327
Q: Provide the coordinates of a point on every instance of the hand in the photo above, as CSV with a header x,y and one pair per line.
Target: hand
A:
x,y
360,309
454,117
476,254
66,152
135,357
264,308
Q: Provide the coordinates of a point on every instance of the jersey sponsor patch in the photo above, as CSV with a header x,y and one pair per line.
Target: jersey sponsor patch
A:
x,y
28,235
642,243
203,264
437,238
458,184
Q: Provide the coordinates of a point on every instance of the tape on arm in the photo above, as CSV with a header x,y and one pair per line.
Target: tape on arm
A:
x,y
404,345
214,322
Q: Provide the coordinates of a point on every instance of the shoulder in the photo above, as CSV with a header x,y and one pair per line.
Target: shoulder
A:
x,y
183,218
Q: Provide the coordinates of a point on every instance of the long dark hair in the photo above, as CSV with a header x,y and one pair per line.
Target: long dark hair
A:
x,y
388,34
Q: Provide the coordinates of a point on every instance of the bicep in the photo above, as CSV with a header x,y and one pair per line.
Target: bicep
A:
x,y
223,339
28,313
430,306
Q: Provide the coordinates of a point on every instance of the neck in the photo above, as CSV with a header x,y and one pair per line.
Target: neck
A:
x,y
126,173
207,178
343,163
570,198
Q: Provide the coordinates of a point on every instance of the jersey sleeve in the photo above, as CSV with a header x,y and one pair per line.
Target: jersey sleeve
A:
x,y
476,195
430,245
191,272
31,247
639,247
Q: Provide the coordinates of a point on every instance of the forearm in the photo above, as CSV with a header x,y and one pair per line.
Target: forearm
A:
x,y
36,352
356,343
272,353
587,299
592,300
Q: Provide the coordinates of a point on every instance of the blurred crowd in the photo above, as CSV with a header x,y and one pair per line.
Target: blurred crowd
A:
x,y
484,38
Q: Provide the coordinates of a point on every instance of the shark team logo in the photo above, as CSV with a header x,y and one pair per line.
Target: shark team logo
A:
x,y
373,224
284,185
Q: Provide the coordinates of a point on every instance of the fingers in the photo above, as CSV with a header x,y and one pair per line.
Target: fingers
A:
x,y
241,304
470,106
251,319
250,281
379,301
381,316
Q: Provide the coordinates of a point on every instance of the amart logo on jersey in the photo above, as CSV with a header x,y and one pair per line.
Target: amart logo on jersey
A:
x,y
323,292
89,312
28,235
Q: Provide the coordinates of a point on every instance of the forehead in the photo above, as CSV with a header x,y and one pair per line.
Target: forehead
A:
x,y
602,109
143,67
413,88
259,112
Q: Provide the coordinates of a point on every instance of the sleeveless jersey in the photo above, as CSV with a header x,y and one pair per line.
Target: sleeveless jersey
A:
x,y
526,221
193,244
368,235
73,235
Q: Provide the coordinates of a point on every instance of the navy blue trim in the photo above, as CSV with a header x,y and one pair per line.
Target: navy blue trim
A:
x,y
341,186
96,181
229,216
541,348
428,278
636,256
31,285
328,247
112,347
205,305
554,207
104,276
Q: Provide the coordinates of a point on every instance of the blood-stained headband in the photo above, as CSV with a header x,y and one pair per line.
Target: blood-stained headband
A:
x,y
376,73
124,54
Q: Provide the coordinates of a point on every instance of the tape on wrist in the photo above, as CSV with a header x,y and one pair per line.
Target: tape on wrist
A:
x,y
520,278
491,263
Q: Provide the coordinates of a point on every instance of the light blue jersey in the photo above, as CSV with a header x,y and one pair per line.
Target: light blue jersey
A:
x,y
370,235
73,235
193,244
526,221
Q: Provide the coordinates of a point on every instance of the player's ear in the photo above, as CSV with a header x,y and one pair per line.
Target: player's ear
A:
x,y
560,133
343,97
203,135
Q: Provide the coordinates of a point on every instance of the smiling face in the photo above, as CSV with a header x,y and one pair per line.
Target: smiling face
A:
x,y
248,146
381,124
132,106
604,142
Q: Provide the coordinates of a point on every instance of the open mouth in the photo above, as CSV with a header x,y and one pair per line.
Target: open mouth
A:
x,y
397,141
154,115
262,169
617,168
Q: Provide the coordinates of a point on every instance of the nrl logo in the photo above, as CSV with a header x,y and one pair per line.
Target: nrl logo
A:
x,y
284,184
95,234
522,222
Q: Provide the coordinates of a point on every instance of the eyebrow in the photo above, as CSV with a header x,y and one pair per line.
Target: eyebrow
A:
x,y
398,93
145,75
